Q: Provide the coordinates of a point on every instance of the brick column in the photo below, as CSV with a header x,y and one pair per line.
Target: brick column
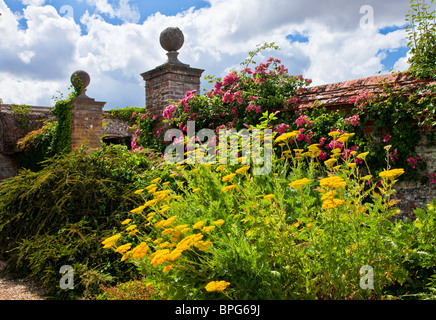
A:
x,y
169,82
87,117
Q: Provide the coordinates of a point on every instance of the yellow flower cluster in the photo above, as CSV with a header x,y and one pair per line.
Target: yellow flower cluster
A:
x,y
217,286
111,241
333,182
228,177
165,222
228,188
329,201
391,174
242,170
299,183
287,136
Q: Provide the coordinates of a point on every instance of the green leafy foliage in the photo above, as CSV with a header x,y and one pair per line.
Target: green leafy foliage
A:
x,y
62,212
422,38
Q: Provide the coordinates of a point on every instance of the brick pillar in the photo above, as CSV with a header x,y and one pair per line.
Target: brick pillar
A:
x,y
87,117
169,82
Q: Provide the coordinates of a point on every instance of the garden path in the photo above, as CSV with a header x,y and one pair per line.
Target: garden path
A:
x,y
17,289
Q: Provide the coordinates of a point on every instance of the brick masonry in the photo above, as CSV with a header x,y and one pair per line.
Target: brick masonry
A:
x,y
87,123
168,84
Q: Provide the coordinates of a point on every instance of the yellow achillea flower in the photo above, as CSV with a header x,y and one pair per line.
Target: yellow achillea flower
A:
x,y
175,236
159,257
329,195
337,167
172,175
157,241
345,137
138,191
217,286
152,190
180,227
207,229
391,174
165,223
126,255
203,246
138,210
163,245
140,251
150,203
269,196
176,253
334,133
220,167
196,170
242,170
151,186
286,136
109,242
299,183
351,165
333,182
155,180
228,177
133,232
167,268
363,155
126,221
330,162
196,190
167,231
165,183
184,230
123,248
133,226
169,221
163,209
332,203
218,223
189,241
198,225
227,188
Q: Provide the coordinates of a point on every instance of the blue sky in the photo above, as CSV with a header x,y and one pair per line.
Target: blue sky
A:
x,y
44,41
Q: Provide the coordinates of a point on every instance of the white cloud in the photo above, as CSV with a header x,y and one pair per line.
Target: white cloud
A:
x,y
124,11
33,2
217,38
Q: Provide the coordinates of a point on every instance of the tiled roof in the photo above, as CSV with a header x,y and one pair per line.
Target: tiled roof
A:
x,y
339,93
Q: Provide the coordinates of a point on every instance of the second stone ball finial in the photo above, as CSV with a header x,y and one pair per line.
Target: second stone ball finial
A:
x,y
81,79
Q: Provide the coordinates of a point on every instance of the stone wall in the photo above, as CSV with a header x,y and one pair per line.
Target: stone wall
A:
x,y
113,131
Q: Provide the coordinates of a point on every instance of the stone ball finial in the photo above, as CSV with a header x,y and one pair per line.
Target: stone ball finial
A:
x,y
171,39
80,78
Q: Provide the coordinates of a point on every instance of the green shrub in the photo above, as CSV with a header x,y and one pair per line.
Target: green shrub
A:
x,y
62,212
